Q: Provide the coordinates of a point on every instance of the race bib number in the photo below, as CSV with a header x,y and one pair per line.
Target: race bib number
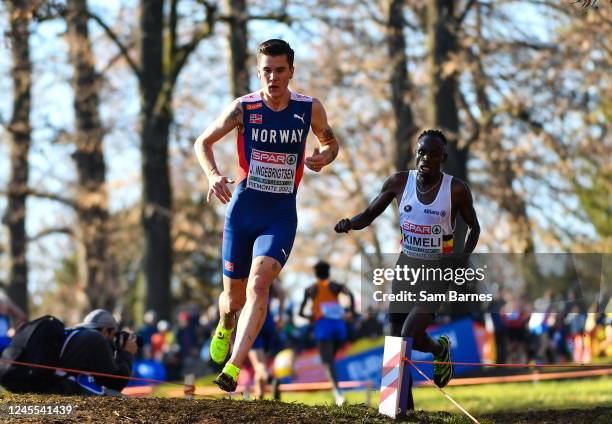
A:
x,y
332,310
421,240
272,172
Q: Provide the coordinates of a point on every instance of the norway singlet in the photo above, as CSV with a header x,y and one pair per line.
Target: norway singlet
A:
x,y
261,219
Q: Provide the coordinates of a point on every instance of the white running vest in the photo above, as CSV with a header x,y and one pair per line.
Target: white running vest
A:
x,y
427,230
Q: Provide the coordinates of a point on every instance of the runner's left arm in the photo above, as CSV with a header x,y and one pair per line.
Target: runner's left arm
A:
x,y
465,205
325,135
341,288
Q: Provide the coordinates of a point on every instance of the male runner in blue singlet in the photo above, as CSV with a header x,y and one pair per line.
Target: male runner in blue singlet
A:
x,y
261,219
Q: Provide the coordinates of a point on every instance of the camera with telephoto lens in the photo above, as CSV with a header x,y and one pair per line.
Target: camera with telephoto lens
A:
x,y
121,338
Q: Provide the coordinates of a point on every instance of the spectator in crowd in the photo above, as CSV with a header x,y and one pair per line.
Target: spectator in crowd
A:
x,y
501,341
146,332
575,321
371,326
187,341
292,335
161,340
515,317
539,325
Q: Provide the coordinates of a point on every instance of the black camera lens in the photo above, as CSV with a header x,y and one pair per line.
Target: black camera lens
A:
x,y
122,337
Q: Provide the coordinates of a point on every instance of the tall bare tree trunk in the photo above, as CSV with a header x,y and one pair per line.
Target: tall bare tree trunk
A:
x,y
443,110
155,119
92,196
238,38
20,130
405,127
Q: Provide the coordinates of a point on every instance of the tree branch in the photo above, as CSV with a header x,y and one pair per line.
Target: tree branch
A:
x,y
475,132
461,17
182,53
115,39
50,231
48,10
112,61
281,17
173,24
43,195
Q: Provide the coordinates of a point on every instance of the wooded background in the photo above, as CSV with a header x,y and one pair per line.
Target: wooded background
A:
x,y
104,204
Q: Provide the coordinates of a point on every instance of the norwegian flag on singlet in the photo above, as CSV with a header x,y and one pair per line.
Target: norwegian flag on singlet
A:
x,y
255,118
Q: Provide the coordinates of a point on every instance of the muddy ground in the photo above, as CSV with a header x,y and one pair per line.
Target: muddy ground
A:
x,y
220,411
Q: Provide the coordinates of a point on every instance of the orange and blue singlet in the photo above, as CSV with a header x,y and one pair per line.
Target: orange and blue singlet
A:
x,y
261,219
327,312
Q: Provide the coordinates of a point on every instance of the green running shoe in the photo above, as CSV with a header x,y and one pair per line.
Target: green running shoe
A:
x,y
220,346
443,372
228,379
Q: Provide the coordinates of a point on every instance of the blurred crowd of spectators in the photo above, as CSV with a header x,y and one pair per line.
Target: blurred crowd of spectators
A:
x,y
552,329
544,331
182,346
547,330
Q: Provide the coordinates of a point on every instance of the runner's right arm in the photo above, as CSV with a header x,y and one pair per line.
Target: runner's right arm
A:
x,y
303,305
393,187
230,118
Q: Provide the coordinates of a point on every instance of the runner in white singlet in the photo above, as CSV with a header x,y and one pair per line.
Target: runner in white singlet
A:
x,y
429,201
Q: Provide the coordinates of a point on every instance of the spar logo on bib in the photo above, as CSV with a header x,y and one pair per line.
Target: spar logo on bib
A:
x,y
416,228
271,157
271,171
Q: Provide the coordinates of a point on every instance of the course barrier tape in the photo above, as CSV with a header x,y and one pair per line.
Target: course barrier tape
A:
x,y
453,401
481,364
189,388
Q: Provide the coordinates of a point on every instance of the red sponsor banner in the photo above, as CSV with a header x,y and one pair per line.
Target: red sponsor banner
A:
x,y
253,106
417,229
255,118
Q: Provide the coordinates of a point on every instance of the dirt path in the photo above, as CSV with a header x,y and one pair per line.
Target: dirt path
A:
x,y
167,411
